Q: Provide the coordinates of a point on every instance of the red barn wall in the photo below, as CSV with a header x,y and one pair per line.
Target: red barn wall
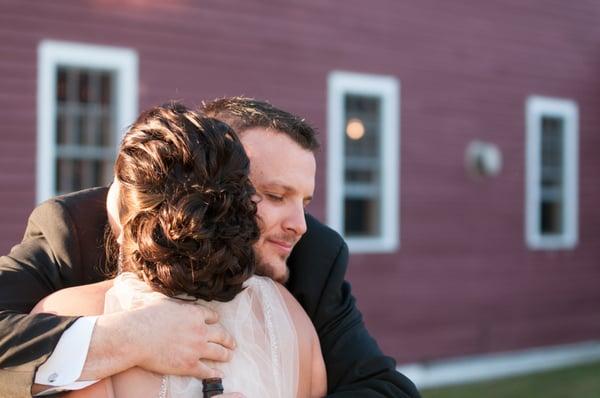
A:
x,y
463,281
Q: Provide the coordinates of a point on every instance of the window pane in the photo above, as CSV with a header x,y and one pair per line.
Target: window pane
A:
x,y
106,130
361,217
365,111
84,87
58,175
552,151
61,85
61,127
79,128
551,218
362,163
106,82
83,128
551,206
107,173
357,175
93,130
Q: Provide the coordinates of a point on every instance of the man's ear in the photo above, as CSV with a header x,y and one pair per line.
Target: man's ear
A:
x,y
112,210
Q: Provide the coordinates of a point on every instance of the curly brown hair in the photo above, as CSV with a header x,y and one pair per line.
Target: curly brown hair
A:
x,y
244,113
186,206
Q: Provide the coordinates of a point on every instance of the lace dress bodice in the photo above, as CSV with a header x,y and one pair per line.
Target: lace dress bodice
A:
x,y
265,362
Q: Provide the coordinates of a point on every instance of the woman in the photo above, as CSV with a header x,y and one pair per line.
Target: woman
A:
x,y
188,222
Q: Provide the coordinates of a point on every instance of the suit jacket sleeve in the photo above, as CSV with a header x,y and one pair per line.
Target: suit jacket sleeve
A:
x,y
48,259
356,367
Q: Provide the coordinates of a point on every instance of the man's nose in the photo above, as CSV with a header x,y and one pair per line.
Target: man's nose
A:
x,y
295,221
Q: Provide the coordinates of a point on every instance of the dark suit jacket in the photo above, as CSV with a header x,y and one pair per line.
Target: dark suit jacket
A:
x,y
63,246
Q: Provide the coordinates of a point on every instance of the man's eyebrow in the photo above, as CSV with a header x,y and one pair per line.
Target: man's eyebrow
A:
x,y
277,184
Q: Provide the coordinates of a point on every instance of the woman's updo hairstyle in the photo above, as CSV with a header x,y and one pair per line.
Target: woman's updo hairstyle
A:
x,y
186,208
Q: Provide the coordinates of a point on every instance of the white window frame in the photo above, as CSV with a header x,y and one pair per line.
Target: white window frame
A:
x,y
388,89
52,54
536,108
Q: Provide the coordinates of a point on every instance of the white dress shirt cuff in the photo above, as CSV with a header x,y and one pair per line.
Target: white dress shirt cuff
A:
x,y
63,368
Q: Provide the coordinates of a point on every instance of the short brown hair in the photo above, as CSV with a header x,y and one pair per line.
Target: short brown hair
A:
x,y
189,221
243,113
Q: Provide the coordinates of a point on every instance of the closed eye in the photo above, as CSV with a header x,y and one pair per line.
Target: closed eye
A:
x,y
274,197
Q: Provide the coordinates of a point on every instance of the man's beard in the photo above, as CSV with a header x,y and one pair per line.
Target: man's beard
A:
x,y
263,265
264,268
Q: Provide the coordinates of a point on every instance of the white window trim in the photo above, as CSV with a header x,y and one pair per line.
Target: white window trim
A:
x,y
52,54
567,110
388,89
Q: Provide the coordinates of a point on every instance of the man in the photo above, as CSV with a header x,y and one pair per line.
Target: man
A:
x,y
62,246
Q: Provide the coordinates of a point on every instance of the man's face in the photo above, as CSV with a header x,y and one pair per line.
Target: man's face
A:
x,y
283,174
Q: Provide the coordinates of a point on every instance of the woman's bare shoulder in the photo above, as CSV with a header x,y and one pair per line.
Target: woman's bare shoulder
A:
x,y
312,365
77,300
301,320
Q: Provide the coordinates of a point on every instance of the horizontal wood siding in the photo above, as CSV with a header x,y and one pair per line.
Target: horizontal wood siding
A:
x,y
463,281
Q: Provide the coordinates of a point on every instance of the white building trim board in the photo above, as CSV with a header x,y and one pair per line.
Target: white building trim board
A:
x,y
51,54
494,366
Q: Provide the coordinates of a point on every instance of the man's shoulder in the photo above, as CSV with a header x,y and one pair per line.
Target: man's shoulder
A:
x,y
318,249
75,205
321,234
318,262
73,227
95,196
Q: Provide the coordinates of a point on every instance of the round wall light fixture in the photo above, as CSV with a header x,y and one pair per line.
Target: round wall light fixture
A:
x,y
483,159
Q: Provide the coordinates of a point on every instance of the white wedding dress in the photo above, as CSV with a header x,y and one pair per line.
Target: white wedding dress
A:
x,y
265,362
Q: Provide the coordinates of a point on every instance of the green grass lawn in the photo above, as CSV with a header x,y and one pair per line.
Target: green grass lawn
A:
x,y
576,382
